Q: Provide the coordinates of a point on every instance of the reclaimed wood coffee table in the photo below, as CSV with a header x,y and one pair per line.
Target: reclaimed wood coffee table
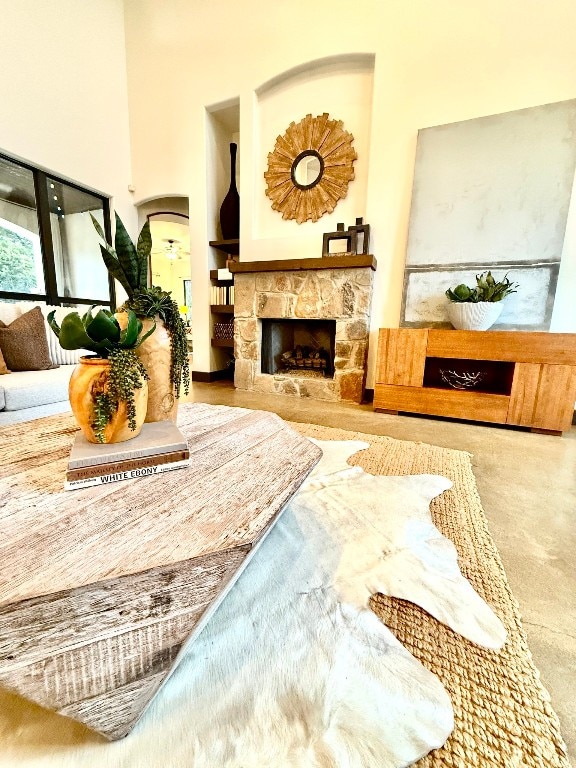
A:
x,y
100,588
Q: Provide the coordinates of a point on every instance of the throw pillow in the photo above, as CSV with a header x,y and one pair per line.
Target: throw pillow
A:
x,y
24,344
3,368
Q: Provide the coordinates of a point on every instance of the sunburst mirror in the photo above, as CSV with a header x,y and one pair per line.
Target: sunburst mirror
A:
x,y
310,168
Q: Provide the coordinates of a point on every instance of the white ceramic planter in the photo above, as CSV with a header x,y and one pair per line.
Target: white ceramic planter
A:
x,y
467,316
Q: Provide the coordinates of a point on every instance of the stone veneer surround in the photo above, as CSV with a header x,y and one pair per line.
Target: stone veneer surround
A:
x,y
323,291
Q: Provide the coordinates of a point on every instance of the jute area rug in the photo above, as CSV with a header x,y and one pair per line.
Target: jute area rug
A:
x,y
503,716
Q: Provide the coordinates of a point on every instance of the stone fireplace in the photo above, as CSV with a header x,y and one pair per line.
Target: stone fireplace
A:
x,y
301,326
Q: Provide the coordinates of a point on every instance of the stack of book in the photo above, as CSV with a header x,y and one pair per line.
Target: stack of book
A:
x,y
160,447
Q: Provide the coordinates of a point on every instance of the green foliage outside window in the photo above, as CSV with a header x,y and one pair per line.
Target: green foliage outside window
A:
x,y
17,269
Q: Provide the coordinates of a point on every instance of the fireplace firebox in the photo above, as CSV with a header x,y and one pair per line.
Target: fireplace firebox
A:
x,y
299,346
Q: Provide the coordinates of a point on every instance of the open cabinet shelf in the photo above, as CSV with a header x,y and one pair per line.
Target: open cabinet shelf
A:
x,y
231,247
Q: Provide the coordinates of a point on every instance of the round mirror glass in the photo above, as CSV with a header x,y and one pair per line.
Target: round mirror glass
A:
x,y
307,169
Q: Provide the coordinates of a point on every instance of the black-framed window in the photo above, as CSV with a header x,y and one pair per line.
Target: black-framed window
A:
x,y
49,249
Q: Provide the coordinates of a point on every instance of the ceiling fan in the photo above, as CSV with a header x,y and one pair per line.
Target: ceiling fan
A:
x,y
171,250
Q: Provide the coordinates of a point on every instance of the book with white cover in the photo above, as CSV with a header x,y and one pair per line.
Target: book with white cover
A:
x,y
156,438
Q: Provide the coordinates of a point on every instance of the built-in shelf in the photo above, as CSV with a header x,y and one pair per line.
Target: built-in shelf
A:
x,y
231,247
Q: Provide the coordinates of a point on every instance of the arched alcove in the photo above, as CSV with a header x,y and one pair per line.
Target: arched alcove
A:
x,y
338,85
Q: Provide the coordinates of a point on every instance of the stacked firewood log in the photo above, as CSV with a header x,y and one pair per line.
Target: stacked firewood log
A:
x,y
305,357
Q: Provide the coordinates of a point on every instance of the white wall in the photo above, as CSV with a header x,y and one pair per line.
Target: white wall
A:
x,y
63,92
346,88
435,63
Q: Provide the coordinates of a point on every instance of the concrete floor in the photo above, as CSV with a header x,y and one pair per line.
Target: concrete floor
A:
x,y
527,483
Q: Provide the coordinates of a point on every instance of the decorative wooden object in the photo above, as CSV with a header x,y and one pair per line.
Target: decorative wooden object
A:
x,y
230,208
332,145
89,379
362,236
101,588
156,354
339,235
357,234
528,379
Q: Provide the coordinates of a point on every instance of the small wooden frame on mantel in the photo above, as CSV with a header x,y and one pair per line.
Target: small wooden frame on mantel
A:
x,y
357,239
340,235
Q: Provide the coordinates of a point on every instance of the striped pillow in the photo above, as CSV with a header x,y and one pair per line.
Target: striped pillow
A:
x,y
58,355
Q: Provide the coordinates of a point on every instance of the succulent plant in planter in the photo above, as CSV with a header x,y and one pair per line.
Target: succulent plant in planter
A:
x,y
166,354
487,288
479,307
108,391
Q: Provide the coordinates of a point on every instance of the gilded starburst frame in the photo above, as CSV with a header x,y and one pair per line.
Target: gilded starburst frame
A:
x,y
318,136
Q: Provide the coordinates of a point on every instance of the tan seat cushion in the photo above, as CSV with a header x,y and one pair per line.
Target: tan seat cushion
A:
x,y
24,344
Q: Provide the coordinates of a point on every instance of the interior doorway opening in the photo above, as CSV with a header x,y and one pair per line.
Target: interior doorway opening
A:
x,y
169,266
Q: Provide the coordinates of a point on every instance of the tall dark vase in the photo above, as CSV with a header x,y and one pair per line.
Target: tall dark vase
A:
x,y
230,208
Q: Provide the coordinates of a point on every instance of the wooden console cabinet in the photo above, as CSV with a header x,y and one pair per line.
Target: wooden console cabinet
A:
x,y
525,379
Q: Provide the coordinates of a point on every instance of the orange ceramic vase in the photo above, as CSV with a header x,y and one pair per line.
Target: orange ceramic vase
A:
x,y
90,377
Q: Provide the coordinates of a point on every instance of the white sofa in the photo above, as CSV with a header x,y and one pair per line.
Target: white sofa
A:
x,y
26,395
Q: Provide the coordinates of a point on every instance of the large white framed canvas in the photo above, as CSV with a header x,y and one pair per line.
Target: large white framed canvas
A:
x,y
491,193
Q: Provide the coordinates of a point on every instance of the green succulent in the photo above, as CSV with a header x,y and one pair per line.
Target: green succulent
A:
x,y
129,265
101,333
487,288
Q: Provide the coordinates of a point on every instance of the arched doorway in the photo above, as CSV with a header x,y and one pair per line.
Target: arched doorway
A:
x,y
169,266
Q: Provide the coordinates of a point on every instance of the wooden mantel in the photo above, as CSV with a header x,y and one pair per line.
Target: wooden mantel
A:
x,y
330,262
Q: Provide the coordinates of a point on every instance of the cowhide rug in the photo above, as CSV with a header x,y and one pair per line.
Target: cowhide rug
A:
x,y
293,669
407,556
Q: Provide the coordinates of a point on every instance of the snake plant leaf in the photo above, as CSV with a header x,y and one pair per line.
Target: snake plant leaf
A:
x,y
97,227
143,338
113,266
73,335
127,256
143,249
102,327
